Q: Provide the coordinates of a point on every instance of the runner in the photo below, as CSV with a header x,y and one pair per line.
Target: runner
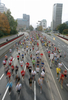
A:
x,y
27,65
9,74
18,88
19,52
30,68
31,56
6,70
12,69
6,57
37,69
17,79
18,58
65,74
11,58
16,69
23,74
42,74
21,63
33,73
61,79
22,56
10,86
60,65
58,72
33,62
30,82
10,50
4,62
10,62
64,54
40,82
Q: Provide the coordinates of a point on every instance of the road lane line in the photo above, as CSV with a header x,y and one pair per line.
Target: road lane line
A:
x,y
64,66
25,68
5,93
1,76
13,59
34,90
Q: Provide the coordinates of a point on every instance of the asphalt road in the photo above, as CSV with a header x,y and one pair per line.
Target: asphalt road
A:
x,y
26,92
64,48
49,89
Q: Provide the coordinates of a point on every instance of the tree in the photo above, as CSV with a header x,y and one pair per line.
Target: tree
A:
x,y
4,24
65,31
31,28
61,27
12,22
1,33
39,28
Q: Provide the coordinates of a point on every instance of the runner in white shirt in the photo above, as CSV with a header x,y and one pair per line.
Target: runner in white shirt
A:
x,y
40,81
21,63
27,49
55,54
33,73
4,62
60,65
19,52
10,50
18,88
37,69
42,74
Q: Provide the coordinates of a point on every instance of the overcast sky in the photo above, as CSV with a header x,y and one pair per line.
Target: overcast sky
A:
x,y
37,9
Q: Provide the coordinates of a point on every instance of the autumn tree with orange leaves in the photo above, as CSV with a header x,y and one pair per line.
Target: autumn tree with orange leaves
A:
x,y
4,24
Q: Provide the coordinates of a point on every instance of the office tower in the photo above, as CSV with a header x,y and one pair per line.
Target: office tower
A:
x,y
57,15
3,8
24,22
43,23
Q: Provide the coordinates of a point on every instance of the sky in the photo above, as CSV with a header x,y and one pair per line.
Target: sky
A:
x,y
37,9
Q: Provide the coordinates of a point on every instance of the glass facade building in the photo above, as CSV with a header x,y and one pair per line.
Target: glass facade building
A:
x,y
57,16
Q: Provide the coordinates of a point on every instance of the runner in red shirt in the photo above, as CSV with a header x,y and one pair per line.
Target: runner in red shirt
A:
x,y
65,73
23,74
9,74
27,65
61,79
48,53
18,57
37,44
55,48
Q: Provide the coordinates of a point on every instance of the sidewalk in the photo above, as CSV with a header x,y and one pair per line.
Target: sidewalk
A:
x,y
63,40
51,82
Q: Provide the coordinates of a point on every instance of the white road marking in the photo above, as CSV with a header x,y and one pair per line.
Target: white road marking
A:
x,y
64,66
34,90
13,59
25,68
5,93
1,76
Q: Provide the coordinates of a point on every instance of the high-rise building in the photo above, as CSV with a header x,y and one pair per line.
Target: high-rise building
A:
x,y
43,23
57,15
2,8
24,22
